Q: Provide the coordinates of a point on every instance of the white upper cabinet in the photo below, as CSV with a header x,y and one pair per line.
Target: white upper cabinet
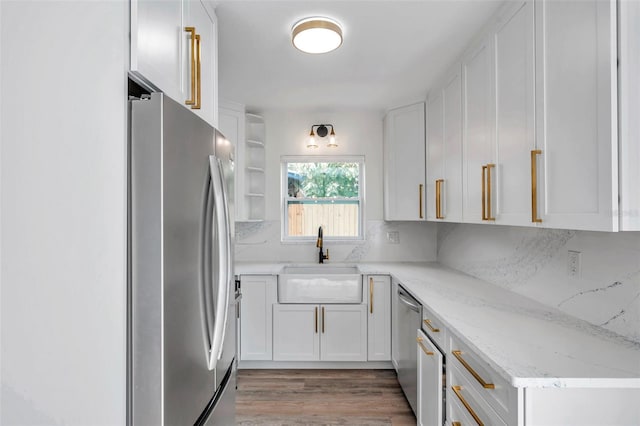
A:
x,y
576,110
629,91
174,49
451,187
435,152
540,120
404,163
444,150
156,44
515,113
478,128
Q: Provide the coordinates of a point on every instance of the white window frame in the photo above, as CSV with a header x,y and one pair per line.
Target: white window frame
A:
x,y
284,195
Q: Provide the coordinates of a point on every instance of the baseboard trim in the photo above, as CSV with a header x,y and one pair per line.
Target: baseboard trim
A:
x,y
307,365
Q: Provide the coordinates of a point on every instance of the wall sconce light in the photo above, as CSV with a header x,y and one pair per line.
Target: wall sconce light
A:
x,y
322,131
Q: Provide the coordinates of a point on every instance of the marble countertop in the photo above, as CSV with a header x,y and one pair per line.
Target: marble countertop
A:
x,y
526,342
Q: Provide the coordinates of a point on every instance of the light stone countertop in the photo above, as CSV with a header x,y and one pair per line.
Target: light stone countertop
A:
x,y
526,342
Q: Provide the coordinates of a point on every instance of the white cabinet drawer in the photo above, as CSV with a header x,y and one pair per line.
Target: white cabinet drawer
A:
x,y
434,328
465,406
497,392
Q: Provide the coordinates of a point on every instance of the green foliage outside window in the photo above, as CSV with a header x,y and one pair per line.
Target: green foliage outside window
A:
x,y
323,180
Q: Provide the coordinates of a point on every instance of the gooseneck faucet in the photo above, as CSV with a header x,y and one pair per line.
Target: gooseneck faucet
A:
x,y
321,256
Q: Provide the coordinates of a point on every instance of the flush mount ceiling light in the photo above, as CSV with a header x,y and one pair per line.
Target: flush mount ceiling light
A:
x,y
316,35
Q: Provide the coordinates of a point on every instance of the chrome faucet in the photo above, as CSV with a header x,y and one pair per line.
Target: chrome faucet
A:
x,y
321,256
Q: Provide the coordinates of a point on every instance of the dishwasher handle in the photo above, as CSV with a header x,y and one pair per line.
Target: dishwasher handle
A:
x,y
402,296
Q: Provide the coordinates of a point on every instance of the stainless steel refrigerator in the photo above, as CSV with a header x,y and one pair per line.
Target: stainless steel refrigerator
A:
x,y
182,304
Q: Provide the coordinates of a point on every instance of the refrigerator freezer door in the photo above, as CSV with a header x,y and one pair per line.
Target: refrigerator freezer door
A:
x,y
223,412
170,380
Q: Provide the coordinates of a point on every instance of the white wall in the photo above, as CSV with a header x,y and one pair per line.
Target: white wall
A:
x,y
359,132
533,262
63,212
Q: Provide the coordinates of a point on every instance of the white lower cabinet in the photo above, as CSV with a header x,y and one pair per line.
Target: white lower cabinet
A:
x,y
430,409
379,321
256,305
319,332
464,405
395,355
474,375
344,333
296,333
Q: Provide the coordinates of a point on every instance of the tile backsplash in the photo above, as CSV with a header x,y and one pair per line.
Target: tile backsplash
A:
x,y
535,263
260,242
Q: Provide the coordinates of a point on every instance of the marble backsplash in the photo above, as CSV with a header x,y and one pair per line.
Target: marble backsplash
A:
x,y
260,242
534,263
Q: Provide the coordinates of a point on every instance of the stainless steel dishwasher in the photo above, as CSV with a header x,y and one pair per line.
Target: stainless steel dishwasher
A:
x,y
408,322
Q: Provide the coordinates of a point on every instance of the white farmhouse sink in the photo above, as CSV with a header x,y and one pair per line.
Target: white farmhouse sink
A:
x,y
320,284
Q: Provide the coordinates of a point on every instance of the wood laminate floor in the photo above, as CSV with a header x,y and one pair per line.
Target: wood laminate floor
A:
x,y
321,397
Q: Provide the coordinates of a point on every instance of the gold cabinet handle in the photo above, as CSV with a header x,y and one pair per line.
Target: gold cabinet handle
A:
x,y
437,198
323,319
192,30
370,295
198,73
427,322
439,183
456,390
489,167
534,186
456,424
422,346
316,320
420,200
458,355
486,192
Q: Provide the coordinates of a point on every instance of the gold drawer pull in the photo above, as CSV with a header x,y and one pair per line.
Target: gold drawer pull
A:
x,y
420,200
458,355
323,319
534,186
424,349
456,390
427,322
316,320
371,295
456,424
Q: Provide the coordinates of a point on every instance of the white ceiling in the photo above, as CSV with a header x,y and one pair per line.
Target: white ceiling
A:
x,y
393,51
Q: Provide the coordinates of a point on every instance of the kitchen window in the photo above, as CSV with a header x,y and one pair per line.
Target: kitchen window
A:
x,y
322,191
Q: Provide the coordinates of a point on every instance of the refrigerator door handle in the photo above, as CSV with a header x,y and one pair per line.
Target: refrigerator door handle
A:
x,y
206,242
222,286
230,279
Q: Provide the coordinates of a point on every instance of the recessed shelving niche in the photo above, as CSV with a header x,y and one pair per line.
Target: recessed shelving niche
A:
x,y
254,169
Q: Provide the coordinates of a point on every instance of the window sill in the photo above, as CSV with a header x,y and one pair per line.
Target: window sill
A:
x,y
326,241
